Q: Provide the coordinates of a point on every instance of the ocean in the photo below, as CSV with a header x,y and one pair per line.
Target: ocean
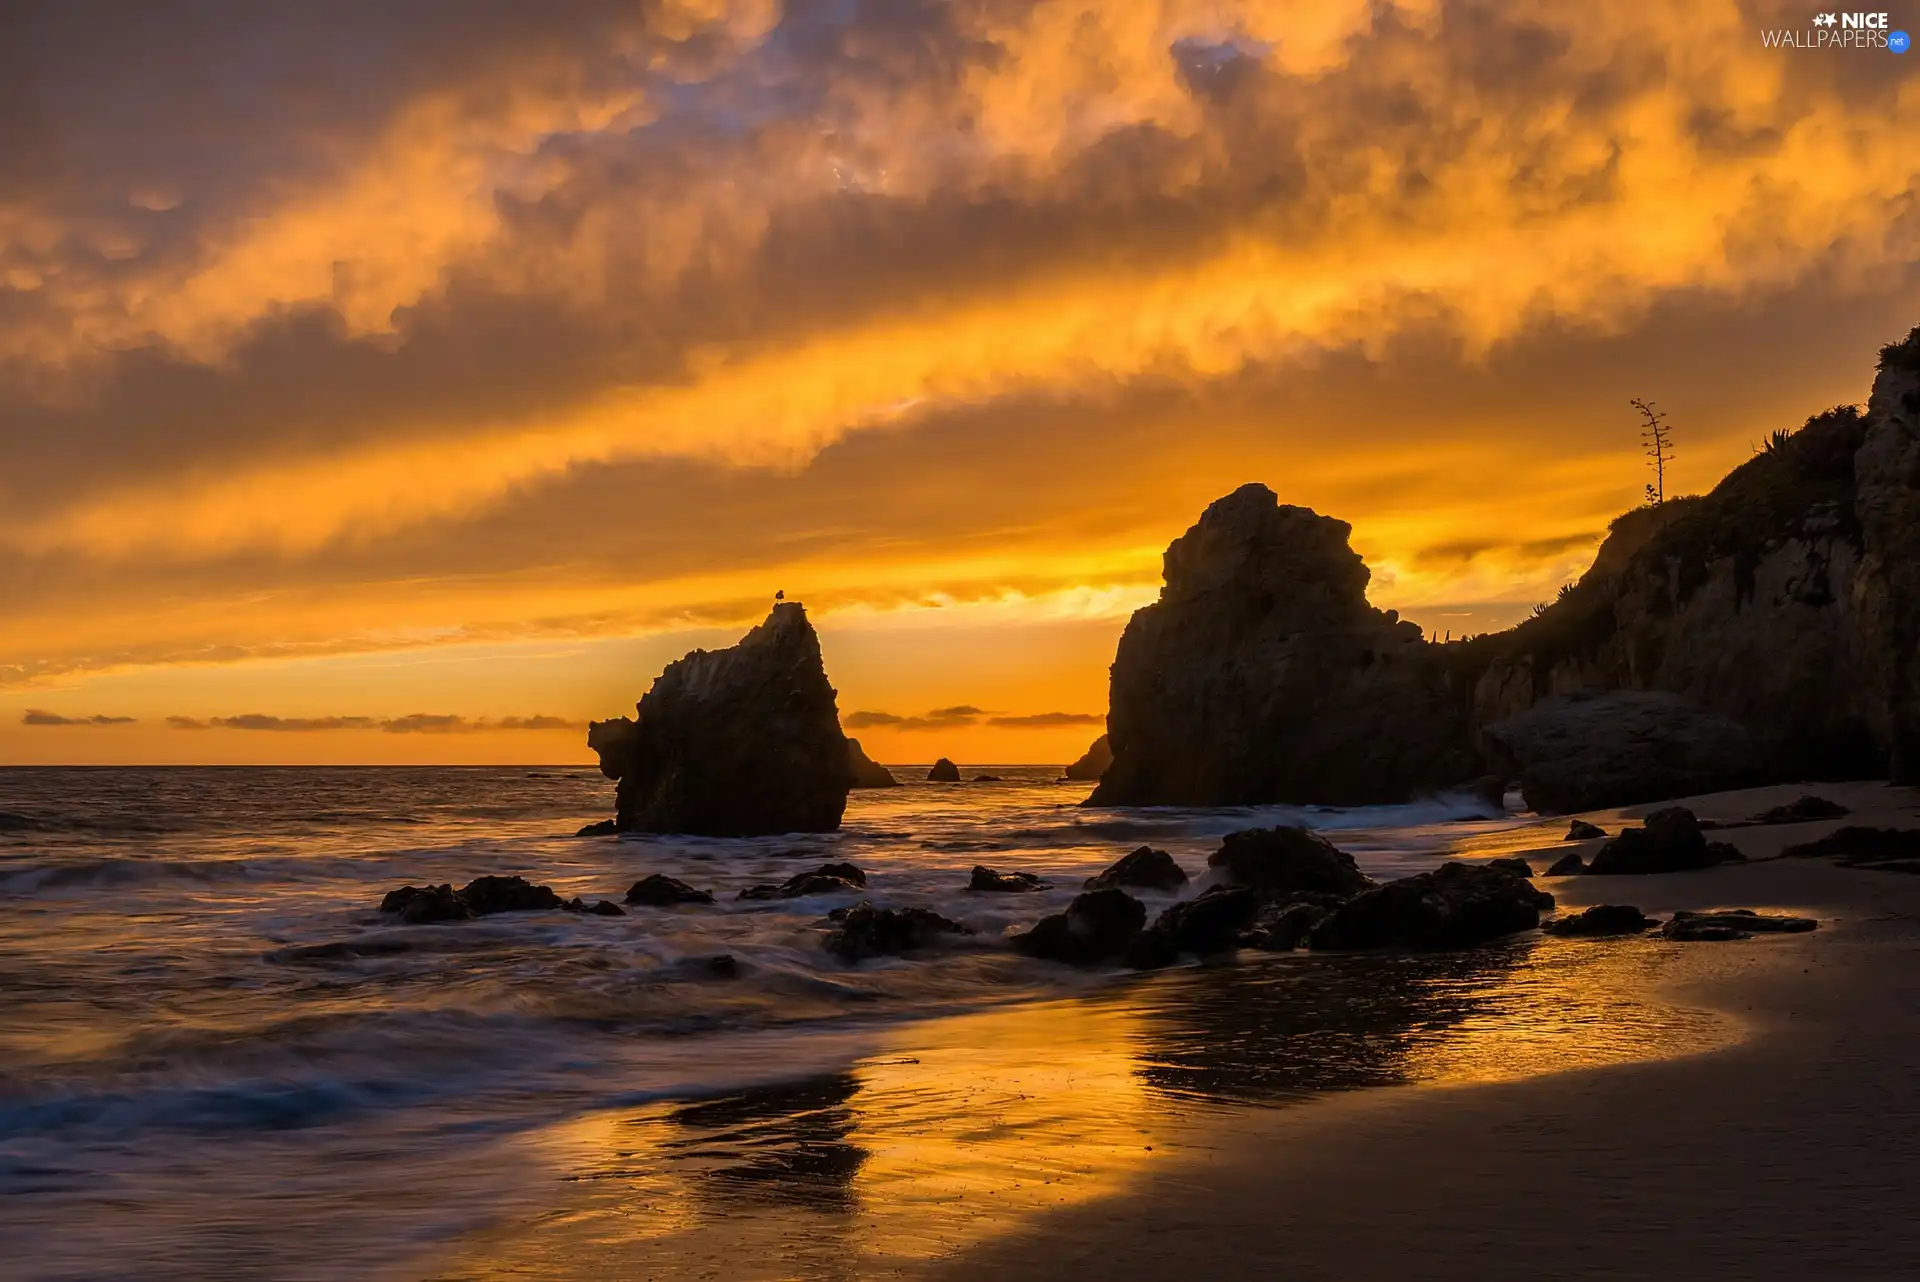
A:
x,y
218,1059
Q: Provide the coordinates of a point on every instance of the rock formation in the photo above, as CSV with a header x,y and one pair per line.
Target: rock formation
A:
x,y
1587,751
864,931
943,771
1733,923
1886,596
1598,921
867,773
1092,763
827,879
1669,840
992,879
1143,867
659,891
1454,906
1280,862
1263,675
1096,927
738,742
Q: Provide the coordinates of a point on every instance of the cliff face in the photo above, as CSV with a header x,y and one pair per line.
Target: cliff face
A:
x,y
1263,675
1738,602
1886,597
739,742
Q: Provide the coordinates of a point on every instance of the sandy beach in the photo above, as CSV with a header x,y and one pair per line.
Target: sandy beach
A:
x,y
1792,1153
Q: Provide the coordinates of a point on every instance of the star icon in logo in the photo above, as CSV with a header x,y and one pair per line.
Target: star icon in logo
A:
x,y
1824,20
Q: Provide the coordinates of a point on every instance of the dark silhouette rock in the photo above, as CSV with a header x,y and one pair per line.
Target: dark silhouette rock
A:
x,y
1454,906
985,878
867,773
11,821
865,931
1092,763
1281,928
1856,846
1512,865
606,908
1886,599
1581,830
1601,919
1670,840
489,895
1211,922
599,828
1491,792
988,779
738,742
1263,675
1096,927
1584,752
659,891
421,905
1144,868
1279,861
943,771
827,879
1732,923
1807,809
1570,865
723,966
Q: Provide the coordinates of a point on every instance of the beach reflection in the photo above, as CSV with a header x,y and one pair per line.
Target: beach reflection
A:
x,y
964,1129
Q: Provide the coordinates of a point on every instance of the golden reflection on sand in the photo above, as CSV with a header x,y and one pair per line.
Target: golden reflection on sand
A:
x,y
959,1130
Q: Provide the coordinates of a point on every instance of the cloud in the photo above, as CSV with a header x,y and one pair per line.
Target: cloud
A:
x,y
937,719
413,723
1047,720
40,717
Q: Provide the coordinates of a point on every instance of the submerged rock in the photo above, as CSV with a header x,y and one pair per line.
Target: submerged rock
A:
x,y
1092,763
1263,675
11,821
1096,927
1601,919
1806,810
1732,923
943,771
604,908
1589,751
1279,861
985,878
723,966
1581,830
660,890
865,931
827,879
1454,906
421,905
1570,865
1670,840
1512,865
867,773
1146,868
739,742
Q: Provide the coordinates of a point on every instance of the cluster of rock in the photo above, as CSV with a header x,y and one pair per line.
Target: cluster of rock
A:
x,y
483,897
1766,630
1670,839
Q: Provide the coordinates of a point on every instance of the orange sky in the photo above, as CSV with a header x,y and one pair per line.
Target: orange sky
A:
x,y
475,361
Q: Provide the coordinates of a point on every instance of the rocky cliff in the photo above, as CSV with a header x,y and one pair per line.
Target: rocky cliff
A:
x,y
1263,675
1886,599
739,742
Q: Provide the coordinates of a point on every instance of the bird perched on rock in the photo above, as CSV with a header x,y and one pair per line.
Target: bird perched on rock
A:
x,y
780,596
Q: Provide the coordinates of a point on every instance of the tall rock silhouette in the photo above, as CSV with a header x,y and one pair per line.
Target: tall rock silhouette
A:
x,y
739,742
1887,594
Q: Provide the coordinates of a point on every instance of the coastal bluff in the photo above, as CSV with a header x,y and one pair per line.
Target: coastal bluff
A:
x,y
1766,630
739,742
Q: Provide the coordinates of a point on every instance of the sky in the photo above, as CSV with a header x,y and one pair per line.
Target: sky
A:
x,y
410,383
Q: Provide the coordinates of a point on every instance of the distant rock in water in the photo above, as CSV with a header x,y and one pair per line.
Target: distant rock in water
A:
x,y
1454,906
988,779
827,879
985,878
943,771
1589,751
1263,675
660,890
1092,763
1146,868
868,773
739,742
599,828
481,897
865,931
423,905
1670,840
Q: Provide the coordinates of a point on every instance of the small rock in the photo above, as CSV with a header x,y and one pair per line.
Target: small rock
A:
x,y
985,878
421,905
943,771
606,908
827,879
489,895
1454,906
988,779
601,828
1278,861
1285,927
1570,865
1146,868
1732,923
723,966
1806,810
1581,830
660,890
1512,864
1210,923
1669,841
1601,919
866,931
1096,927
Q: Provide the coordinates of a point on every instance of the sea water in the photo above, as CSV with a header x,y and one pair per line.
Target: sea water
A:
x,y
217,1058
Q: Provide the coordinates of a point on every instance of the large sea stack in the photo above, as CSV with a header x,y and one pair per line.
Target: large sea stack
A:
x,y
1886,595
740,742
1263,675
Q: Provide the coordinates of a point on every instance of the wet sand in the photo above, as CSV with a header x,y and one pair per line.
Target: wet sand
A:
x,y
1791,1153
1547,1108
